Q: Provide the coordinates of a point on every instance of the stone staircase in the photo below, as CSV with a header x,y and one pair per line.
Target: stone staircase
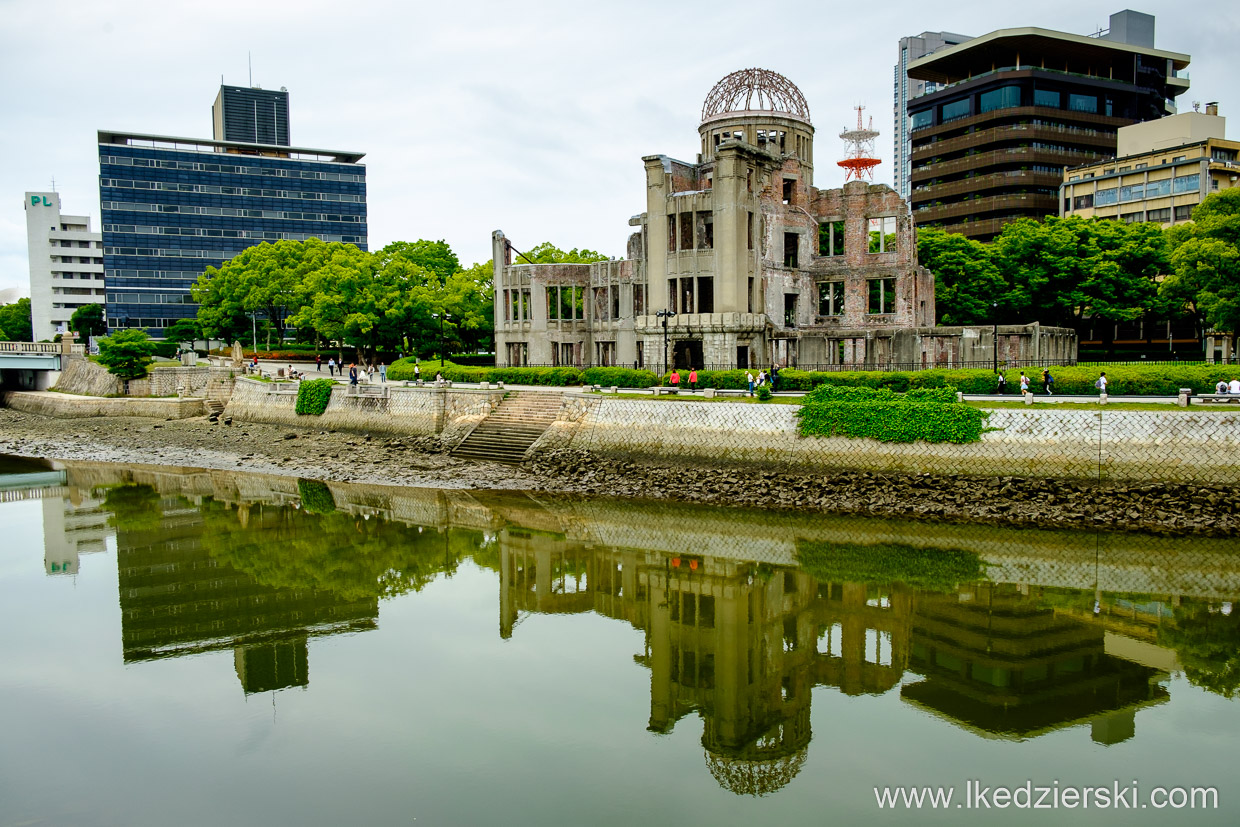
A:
x,y
514,425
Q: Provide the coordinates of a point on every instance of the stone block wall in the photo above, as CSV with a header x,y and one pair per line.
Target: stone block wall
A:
x,y
1089,444
69,406
406,411
84,377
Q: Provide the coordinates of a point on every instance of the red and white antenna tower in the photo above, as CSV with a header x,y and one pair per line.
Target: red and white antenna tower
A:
x,y
860,161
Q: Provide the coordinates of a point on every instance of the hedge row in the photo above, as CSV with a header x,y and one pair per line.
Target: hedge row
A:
x,y
402,370
313,396
928,414
925,568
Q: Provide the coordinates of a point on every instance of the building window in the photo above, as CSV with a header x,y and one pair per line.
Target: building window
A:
x,y
831,238
882,296
1140,166
920,120
790,309
1132,192
1083,103
706,230
883,234
671,233
1082,202
955,110
830,298
1186,183
1047,98
686,231
705,294
1157,189
1162,216
789,185
1105,197
1178,158
790,249
1005,97
750,294
749,229
1132,217
1219,154
639,300
1184,212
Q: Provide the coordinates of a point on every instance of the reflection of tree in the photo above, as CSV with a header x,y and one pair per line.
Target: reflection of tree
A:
x,y
316,497
935,569
351,557
1208,645
133,507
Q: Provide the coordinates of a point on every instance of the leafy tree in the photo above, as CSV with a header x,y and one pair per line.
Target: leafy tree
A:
x,y
15,320
1208,645
548,253
436,257
126,353
470,297
1206,264
966,280
183,330
87,320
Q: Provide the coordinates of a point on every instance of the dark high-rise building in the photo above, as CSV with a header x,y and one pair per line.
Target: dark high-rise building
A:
x,y
1012,108
251,115
905,88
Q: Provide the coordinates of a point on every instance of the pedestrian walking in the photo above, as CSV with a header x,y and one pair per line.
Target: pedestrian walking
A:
x,y
1047,382
761,378
352,373
1024,383
675,381
749,379
417,372
370,374
318,363
1002,389
331,366
383,372
1101,384
693,379
774,376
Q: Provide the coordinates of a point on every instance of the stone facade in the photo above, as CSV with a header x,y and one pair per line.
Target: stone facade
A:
x,y
756,265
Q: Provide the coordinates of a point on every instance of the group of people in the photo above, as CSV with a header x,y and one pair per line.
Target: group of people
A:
x,y
1224,386
763,379
674,379
1048,383
355,372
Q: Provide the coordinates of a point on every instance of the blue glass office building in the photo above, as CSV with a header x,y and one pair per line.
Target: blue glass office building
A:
x,y
171,207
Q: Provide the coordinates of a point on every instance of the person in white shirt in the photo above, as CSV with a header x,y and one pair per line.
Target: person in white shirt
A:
x,y
749,379
1221,387
1101,384
1233,386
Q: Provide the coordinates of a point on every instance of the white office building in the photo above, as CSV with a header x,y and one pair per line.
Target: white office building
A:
x,y
905,88
66,264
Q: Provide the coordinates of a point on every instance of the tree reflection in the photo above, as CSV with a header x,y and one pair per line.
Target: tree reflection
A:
x,y
1207,639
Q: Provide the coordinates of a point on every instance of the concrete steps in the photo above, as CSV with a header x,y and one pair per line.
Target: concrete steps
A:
x,y
512,427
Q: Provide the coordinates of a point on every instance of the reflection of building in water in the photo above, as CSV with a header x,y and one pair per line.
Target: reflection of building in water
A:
x,y
73,524
998,661
176,599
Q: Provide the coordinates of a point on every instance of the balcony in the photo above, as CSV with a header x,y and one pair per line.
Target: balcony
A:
x,y
981,183
1033,205
1087,119
1076,135
1023,155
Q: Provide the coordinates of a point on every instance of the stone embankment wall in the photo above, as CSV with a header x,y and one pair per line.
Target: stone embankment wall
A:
x,y
420,411
86,378
1063,442
68,406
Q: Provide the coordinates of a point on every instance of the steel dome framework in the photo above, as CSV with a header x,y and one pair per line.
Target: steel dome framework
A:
x,y
755,90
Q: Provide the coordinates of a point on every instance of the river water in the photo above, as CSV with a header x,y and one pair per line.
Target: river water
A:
x,y
203,647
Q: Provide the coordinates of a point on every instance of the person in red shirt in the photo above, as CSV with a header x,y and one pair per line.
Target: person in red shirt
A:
x,y
675,380
693,379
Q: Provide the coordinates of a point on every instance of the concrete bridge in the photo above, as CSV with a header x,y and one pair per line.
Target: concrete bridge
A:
x,y
34,365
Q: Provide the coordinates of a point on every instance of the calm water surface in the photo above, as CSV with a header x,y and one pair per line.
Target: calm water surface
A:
x,y
204,647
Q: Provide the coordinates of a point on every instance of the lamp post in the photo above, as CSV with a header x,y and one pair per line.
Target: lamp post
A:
x,y
441,317
664,315
994,317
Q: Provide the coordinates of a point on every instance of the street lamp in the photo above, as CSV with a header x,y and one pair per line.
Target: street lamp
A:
x,y
994,317
442,344
664,315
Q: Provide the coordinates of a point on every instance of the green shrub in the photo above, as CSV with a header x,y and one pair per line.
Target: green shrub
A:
x,y
944,395
846,393
727,379
313,396
316,497
402,370
126,354
896,420
763,393
619,377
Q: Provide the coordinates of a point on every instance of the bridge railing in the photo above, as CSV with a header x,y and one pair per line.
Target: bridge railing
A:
x,y
39,348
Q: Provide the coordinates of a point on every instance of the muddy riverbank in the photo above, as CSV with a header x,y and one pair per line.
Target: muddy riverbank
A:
x,y
420,461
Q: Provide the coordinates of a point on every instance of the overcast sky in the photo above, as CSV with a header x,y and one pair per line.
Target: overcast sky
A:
x,y
474,116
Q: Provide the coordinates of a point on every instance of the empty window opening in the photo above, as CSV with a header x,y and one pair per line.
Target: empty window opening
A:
x,y
831,238
672,304
830,298
706,230
790,249
790,310
686,296
883,234
882,295
749,231
671,233
789,184
639,300
750,294
705,294
686,231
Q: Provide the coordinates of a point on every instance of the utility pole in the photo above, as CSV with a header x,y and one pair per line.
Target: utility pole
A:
x,y
994,317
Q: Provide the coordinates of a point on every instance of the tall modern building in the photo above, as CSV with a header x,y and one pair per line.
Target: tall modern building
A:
x,y
912,48
251,115
1012,108
66,264
171,207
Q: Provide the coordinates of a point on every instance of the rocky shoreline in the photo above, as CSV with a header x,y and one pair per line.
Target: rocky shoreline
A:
x,y
421,461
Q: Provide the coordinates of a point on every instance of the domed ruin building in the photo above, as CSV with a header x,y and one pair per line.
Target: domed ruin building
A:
x,y
758,266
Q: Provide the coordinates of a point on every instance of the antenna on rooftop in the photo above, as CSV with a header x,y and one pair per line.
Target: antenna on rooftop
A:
x,y
860,161
249,62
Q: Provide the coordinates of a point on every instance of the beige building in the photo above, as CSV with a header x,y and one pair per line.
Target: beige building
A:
x,y
1163,169
747,264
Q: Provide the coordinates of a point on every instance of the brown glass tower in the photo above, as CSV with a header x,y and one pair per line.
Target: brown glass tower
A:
x,y
1014,107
